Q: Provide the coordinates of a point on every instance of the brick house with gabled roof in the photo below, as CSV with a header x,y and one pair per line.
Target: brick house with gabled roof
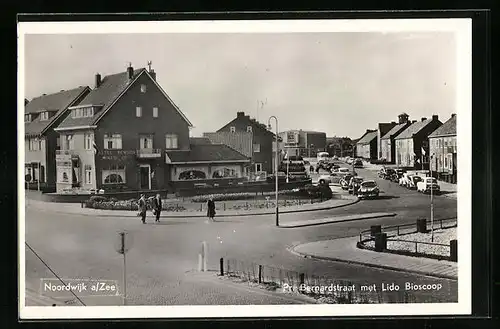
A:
x,y
443,148
414,139
366,146
41,115
388,143
262,141
119,137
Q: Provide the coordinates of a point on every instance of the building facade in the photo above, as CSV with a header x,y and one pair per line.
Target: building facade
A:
x,y
262,141
412,145
443,148
382,130
120,135
42,114
303,143
387,142
340,146
366,147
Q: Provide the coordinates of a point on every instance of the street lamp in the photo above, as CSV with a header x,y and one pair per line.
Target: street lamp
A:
x,y
432,199
275,164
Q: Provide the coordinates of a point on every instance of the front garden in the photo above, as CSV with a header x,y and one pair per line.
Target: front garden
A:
x,y
230,201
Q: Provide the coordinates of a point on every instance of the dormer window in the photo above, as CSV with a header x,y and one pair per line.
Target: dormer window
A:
x,y
249,129
27,118
232,129
44,116
82,112
143,89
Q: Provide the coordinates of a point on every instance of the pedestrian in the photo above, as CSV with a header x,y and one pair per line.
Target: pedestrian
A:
x,y
211,210
142,208
157,207
311,168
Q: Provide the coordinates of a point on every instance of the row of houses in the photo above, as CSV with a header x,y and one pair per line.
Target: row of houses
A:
x,y
126,133
422,144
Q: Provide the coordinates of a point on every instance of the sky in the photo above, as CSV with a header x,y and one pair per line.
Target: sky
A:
x,y
339,83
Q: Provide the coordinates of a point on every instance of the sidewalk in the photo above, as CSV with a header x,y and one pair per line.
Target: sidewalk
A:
x,y
72,208
345,250
311,222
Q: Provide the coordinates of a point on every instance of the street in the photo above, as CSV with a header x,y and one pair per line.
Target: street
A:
x,y
163,256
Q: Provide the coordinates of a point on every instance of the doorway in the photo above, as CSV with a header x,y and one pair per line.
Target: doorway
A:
x,y
145,177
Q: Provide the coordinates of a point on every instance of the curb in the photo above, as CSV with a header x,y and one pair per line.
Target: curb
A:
x,y
342,221
385,267
221,215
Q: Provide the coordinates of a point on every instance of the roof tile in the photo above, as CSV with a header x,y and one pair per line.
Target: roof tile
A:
x,y
206,152
368,138
448,128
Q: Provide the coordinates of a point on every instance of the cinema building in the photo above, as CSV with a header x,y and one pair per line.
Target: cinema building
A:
x,y
127,134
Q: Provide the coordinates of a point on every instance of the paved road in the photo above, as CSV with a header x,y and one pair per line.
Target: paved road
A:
x,y
163,254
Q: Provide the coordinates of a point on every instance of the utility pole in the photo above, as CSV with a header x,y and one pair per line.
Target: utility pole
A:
x,y
276,167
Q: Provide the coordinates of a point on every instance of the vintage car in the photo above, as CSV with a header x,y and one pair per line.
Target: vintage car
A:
x,y
368,189
354,184
413,181
428,184
332,178
358,163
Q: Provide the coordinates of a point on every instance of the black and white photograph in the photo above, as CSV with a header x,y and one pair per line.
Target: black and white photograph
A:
x,y
244,168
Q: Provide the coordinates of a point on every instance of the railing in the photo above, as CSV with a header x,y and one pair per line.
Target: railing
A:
x,y
288,280
403,229
149,153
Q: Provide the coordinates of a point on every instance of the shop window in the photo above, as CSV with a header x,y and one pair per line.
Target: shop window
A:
x,y
192,174
114,175
225,173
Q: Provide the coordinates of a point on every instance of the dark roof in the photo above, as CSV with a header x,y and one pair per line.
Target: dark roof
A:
x,y
393,131
57,102
207,153
413,129
108,91
110,88
199,140
449,128
366,139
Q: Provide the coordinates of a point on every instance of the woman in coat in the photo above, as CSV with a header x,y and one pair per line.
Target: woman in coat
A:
x,y
211,209
143,208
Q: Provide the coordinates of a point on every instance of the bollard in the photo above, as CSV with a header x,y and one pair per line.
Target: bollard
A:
x,y
200,262
221,266
380,242
82,204
204,252
454,250
421,225
260,273
201,207
224,206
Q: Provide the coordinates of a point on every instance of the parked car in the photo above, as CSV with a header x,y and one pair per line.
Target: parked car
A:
x,y
381,172
368,189
329,179
342,170
388,173
334,167
349,160
414,179
358,163
427,184
344,181
354,184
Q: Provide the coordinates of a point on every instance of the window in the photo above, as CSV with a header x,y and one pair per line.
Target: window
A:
x,y
143,89
145,142
249,129
155,112
171,141
138,111
256,148
35,144
225,173
27,118
70,144
44,116
114,175
87,141
232,129
82,112
258,167
113,142
192,174
88,174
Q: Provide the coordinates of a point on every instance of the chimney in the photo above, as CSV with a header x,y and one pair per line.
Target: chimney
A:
x,y
435,118
403,118
453,115
414,121
97,80
130,71
393,123
240,114
423,119
152,73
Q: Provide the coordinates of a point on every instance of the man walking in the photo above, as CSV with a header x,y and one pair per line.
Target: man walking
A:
x,y
157,207
142,208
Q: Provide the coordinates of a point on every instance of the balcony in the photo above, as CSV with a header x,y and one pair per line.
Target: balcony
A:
x,y
66,154
148,153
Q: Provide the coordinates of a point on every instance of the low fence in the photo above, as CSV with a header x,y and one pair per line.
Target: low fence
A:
x,y
328,289
415,248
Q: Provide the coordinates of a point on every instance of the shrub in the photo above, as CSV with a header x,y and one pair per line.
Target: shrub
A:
x,y
97,198
239,196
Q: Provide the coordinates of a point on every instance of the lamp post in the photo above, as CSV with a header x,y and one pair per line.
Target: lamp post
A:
x,y
432,199
275,165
